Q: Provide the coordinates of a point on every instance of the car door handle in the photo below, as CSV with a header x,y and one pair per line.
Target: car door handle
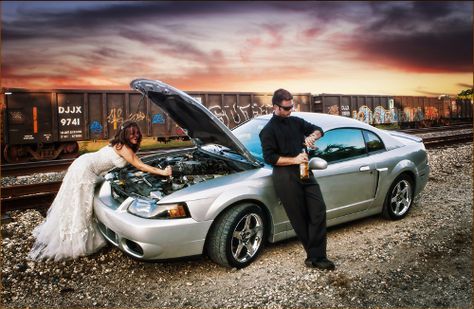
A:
x,y
364,168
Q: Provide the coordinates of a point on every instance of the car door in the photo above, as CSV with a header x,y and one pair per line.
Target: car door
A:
x,y
349,183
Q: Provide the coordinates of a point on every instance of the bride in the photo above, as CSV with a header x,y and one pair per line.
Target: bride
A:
x,y
69,230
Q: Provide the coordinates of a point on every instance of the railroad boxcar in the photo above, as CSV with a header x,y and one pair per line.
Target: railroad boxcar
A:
x,y
371,109
47,124
461,109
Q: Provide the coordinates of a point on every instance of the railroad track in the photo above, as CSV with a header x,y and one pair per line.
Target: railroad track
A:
x,y
437,141
41,195
28,168
437,129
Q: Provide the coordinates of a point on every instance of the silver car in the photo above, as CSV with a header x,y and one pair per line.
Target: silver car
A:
x,y
221,201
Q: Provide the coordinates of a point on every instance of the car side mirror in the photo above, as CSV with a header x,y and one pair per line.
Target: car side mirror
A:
x,y
317,164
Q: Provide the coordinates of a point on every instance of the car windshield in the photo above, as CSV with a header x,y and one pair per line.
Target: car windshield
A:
x,y
248,136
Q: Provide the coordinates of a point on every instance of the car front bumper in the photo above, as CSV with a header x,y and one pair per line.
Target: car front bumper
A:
x,y
147,239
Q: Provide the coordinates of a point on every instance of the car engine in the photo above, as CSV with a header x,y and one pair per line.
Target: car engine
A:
x,y
188,169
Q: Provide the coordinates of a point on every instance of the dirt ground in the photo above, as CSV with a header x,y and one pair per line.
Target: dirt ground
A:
x,y
424,260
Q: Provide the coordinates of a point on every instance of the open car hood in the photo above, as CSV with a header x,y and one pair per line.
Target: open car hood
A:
x,y
202,126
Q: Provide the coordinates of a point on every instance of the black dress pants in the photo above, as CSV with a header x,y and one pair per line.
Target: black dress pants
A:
x,y
305,208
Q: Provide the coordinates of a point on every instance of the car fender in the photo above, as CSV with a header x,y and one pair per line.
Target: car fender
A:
x,y
404,166
240,194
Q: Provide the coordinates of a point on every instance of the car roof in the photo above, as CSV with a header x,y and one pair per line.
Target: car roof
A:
x,y
326,121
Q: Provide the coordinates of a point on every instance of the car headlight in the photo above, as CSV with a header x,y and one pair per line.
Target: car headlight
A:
x,y
148,208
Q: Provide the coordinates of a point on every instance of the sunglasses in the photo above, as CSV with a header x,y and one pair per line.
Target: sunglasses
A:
x,y
287,108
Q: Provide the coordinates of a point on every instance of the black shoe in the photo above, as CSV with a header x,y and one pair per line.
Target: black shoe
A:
x,y
321,263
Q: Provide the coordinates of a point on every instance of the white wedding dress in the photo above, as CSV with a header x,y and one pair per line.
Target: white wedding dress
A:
x,y
69,230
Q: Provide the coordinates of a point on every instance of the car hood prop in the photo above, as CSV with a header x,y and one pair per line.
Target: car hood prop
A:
x,y
202,126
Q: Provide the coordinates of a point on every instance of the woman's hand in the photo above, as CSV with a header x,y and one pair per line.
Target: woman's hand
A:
x,y
167,171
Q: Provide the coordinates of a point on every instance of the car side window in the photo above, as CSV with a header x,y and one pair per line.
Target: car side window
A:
x,y
374,143
340,144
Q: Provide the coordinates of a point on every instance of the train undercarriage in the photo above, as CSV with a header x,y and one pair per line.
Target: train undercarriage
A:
x,y
39,152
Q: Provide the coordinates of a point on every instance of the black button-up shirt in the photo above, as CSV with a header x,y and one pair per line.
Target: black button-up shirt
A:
x,y
284,137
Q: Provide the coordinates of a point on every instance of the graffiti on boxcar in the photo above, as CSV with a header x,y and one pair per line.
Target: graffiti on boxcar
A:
x,y
381,115
233,114
410,114
158,119
95,127
115,117
258,110
419,115
15,117
136,116
364,114
220,114
431,113
345,110
333,110
238,114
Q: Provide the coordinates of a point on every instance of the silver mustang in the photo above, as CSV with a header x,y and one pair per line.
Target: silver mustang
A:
x,y
221,200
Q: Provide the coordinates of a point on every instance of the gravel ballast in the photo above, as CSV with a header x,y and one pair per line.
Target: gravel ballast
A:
x,y
424,260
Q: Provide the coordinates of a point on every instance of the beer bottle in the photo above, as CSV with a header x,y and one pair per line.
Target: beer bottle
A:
x,y
304,169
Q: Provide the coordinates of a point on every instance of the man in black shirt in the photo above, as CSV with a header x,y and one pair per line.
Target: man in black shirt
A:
x,y
283,139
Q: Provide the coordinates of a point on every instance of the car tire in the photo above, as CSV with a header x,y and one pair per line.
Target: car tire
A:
x,y
399,198
237,236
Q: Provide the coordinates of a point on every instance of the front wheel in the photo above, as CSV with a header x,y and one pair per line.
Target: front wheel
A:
x,y
399,198
238,236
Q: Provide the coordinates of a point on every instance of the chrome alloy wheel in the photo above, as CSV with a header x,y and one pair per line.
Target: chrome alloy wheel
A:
x,y
247,237
401,198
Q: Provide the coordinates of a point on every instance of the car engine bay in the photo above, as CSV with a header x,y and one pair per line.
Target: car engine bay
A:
x,y
188,169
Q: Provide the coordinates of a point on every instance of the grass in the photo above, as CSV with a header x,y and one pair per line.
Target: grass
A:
x,y
147,144
391,126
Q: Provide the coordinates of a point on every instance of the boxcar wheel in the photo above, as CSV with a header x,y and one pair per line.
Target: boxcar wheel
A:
x,y
237,236
399,198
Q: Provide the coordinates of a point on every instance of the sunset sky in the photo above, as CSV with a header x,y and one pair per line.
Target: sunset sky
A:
x,y
386,48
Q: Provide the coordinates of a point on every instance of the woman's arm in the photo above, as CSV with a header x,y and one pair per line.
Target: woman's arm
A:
x,y
134,160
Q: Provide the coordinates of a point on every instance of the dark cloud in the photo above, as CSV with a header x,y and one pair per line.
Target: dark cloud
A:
x,y
419,37
34,23
418,16
422,52
415,36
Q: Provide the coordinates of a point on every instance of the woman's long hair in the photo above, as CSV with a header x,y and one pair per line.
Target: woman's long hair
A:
x,y
122,137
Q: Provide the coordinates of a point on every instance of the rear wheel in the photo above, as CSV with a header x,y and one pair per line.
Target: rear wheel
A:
x,y
237,236
399,198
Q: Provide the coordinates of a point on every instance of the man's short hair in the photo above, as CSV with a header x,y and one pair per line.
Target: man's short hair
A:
x,y
281,95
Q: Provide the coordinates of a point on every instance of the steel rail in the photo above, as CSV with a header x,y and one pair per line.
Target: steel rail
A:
x,y
437,141
437,129
37,195
28,168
